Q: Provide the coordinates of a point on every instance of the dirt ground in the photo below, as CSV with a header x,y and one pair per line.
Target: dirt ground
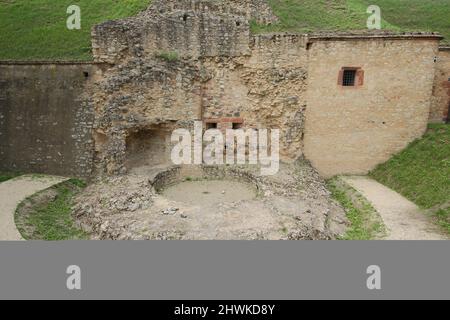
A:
x,y
209,193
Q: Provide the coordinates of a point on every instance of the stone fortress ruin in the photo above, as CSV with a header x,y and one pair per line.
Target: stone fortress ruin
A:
x,y
344,102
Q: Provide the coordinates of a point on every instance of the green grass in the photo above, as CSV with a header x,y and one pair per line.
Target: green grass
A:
x,y
365,223
397,15
36,29
416,15
50,220
422,173
4,176
313,15
170,56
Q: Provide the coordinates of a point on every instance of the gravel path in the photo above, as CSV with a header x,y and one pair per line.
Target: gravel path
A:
x,y
12,193
403,219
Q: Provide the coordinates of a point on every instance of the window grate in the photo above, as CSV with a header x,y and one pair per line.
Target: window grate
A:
x,y
349,78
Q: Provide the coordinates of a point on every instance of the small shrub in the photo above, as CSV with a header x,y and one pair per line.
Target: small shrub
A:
x,y
170,56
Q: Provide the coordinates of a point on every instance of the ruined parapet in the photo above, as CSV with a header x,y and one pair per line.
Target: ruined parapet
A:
x,y
185,29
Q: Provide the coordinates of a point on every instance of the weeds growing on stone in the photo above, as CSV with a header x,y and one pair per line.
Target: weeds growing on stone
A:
x,y
170,56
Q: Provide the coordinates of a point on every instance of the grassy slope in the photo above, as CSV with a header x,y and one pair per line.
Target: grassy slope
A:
x,y
52,219
366,224
418,15
4,176
312,15
36,29
407,15
422,172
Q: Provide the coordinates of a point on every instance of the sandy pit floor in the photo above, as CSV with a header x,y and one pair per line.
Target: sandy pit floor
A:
x,y
205,193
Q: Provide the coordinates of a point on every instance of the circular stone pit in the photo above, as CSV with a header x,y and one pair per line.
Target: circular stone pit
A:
x,y
211,203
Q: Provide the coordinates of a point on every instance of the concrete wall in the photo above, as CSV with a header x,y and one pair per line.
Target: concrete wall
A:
x,y
440,103
45,119
351,130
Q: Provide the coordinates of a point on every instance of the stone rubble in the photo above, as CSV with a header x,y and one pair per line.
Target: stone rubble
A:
x,y
292,205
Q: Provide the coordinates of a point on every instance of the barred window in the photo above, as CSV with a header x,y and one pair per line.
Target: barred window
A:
x,y
349,78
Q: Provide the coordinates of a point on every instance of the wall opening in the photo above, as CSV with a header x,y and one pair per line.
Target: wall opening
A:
x,y
351,77
148,147
211,125
237,126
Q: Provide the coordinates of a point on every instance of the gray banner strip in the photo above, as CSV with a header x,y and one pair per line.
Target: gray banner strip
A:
x,y
224,270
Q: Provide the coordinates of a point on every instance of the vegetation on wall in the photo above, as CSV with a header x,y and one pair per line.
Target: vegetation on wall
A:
x,y
36,30
422,173
169,56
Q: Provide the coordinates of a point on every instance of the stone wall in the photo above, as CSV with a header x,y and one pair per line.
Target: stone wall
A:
x,y
349,130
264,90
440,103
187,29
185,61
182,61
45,118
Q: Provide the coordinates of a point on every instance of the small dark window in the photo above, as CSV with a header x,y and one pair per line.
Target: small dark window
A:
x,y
237,126
185,17
211,125
349,78
86,74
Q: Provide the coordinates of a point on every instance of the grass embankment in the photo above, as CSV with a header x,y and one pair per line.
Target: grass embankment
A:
x,y
5,176
397,15
36,30
421,173
48,215
366,224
